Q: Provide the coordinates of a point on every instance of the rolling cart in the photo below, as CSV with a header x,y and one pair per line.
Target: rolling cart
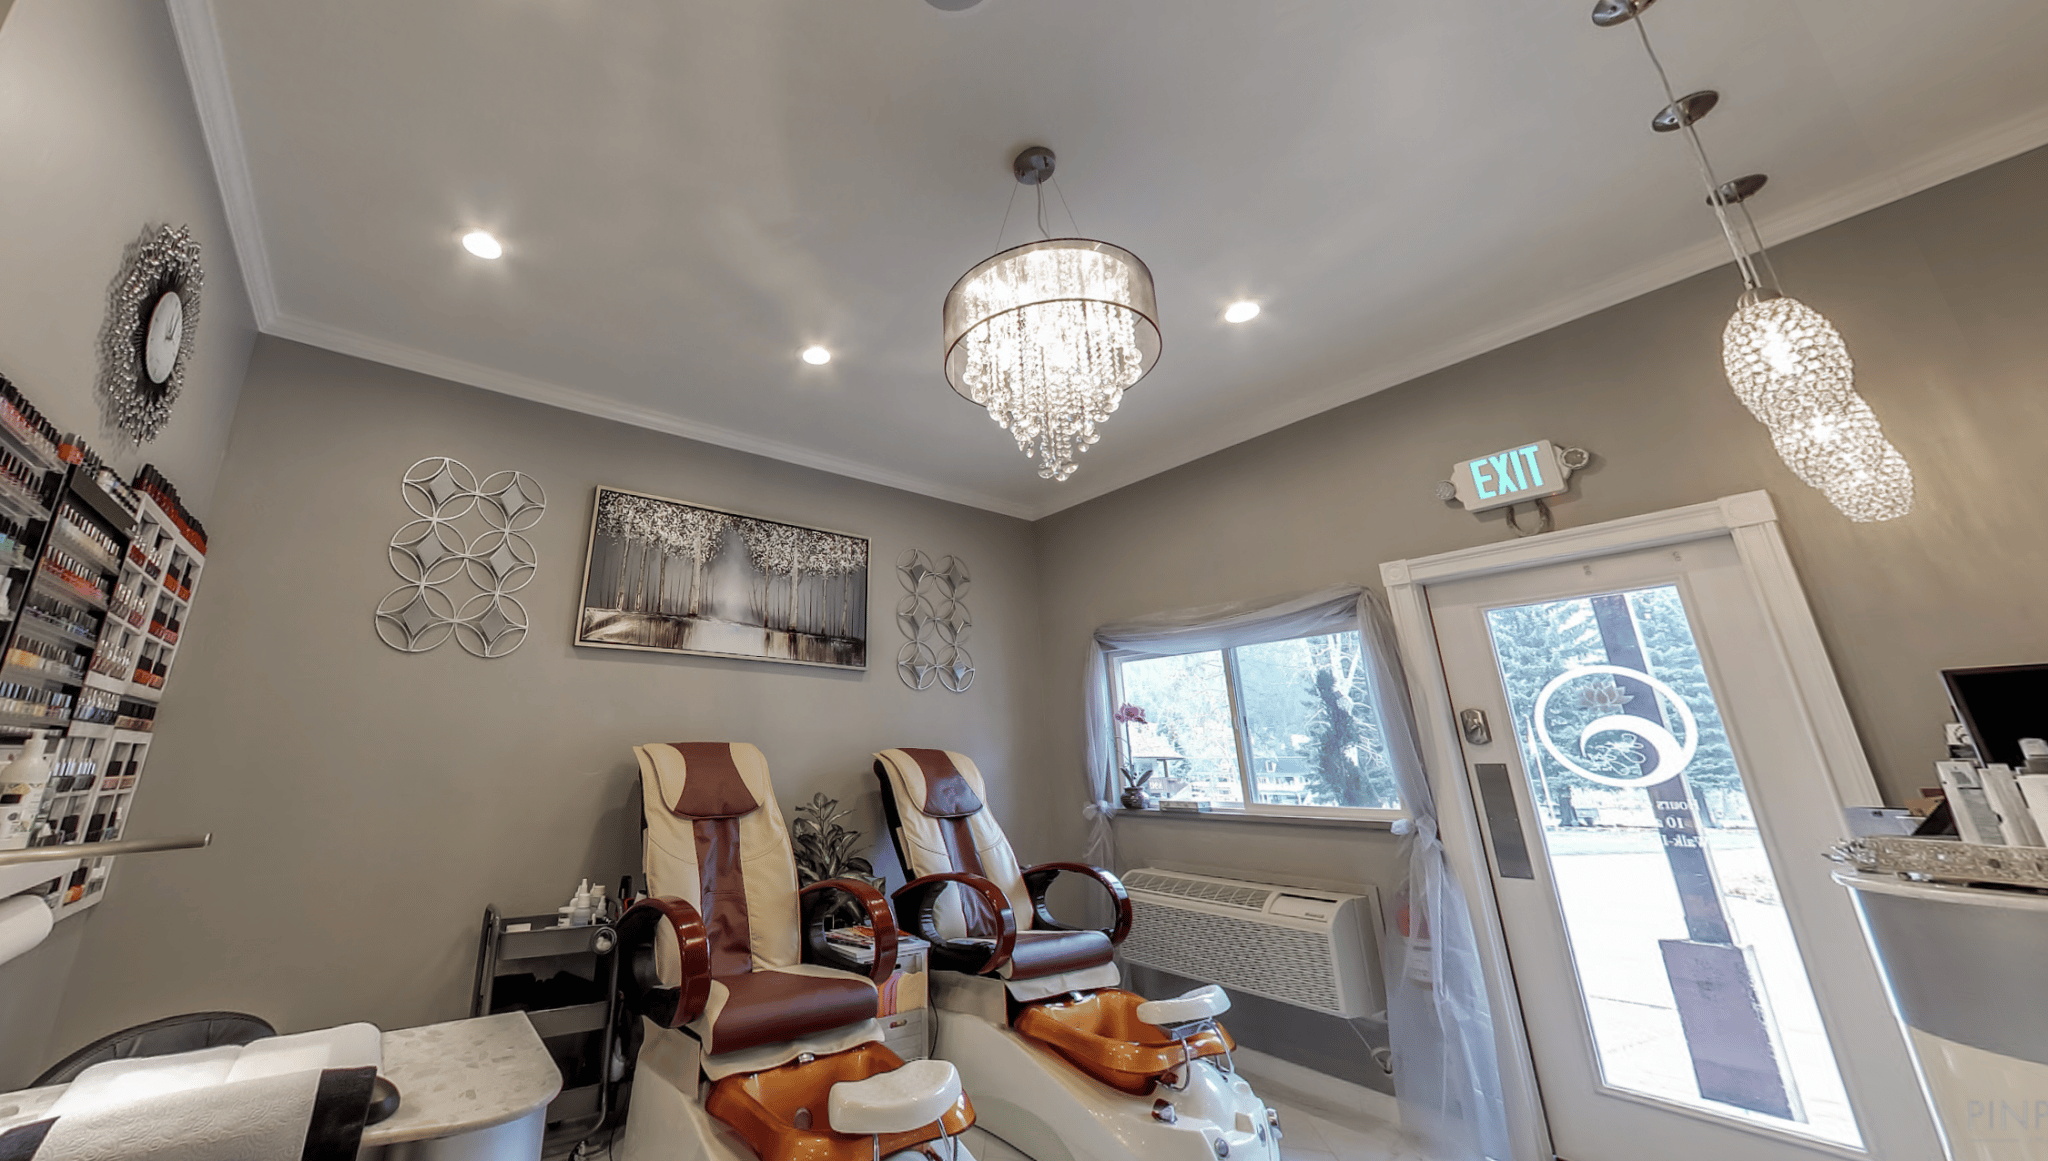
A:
x,y
566,981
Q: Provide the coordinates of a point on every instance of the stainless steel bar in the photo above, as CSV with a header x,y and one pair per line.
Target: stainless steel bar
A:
x,y
102,850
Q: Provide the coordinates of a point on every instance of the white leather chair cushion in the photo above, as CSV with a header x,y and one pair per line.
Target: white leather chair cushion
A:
x,y
1200,1004
908,1098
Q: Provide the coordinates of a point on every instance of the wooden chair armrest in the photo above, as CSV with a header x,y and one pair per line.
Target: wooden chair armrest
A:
x,y
1038,880
917,900
639,928
816,901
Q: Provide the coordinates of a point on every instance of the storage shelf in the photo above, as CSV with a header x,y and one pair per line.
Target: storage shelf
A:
x,y
543,942
568,1021
16,501
44,628
575,1104
85,550
103,504
19,721
48,584
112,754
112,685
47,678
155,512
29,449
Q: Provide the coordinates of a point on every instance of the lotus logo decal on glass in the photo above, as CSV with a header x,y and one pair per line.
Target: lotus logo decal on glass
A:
x,y
1673,755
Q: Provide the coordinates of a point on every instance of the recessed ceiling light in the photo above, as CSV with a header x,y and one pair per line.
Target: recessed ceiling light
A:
x,y
817,356
481,244
1244,310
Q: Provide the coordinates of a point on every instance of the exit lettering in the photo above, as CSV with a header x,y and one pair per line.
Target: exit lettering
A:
x,y
1519,474
1500,475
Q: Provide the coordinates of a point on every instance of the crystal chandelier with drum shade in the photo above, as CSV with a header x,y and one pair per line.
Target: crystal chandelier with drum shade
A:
x,y
1785,361
1049,335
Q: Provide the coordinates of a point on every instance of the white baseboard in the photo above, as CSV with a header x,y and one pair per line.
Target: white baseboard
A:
x,y
1317,1087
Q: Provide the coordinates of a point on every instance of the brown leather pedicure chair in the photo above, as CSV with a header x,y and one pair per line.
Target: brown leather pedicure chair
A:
x,y
761,1039
1059,1060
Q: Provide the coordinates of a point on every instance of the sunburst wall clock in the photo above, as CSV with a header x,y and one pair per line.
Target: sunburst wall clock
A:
x,y
152,318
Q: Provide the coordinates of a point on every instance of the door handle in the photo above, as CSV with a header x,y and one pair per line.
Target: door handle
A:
x,y
1473,723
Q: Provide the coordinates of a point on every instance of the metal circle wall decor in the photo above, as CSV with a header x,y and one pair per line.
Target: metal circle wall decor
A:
x,y
152,321
935,622
434,551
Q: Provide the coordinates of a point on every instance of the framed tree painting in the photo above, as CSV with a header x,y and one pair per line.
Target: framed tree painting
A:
x,y
682,578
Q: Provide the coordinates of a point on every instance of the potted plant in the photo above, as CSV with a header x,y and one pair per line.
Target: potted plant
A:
x,y
824,850
1134,796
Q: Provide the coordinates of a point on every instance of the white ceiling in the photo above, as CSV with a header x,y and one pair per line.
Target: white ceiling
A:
x,y
691,192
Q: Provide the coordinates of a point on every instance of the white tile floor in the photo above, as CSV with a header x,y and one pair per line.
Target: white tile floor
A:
x,y
1313,1133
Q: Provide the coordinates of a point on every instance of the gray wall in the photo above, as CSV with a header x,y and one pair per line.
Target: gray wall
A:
x,y
98,135
1943,299
367,804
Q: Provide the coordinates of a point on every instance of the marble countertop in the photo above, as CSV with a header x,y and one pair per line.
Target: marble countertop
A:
x,y
464,1075
452,1078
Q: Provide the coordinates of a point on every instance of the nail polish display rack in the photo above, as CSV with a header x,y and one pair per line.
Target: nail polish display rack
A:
x,y
96,589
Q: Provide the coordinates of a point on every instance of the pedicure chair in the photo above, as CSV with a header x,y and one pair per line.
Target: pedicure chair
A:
x,y
1060,1062
761,1039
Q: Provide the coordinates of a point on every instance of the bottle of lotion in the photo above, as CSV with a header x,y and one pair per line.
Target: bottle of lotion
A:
x,y
24,780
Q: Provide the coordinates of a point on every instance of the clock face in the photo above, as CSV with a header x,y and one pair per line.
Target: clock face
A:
x,y
166,333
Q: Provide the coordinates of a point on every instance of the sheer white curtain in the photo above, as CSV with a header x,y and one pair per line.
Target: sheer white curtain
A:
x,y
1445,1072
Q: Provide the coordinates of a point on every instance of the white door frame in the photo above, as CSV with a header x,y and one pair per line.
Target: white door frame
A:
x,y
1751,521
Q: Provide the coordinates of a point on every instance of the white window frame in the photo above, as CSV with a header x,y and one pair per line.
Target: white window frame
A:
x,y
1240,735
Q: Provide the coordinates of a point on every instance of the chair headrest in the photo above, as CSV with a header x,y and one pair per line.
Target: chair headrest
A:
x,y
712,786
947,793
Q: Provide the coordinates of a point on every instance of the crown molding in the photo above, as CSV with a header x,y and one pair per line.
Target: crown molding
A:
x,y
345,342
205,62
206,67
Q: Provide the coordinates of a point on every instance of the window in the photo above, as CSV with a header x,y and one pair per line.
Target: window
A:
x,y
1278,727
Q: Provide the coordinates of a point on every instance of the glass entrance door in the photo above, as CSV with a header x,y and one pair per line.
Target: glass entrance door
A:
x,y
1656,848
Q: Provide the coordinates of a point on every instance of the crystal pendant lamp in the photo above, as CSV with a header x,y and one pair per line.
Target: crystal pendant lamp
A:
x,y
1785,362
1049,335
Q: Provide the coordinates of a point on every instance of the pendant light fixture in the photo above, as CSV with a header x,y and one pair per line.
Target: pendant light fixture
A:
x,y
1049,335
1785,361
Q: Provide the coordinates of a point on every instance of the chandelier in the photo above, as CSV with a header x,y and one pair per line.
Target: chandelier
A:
x,y
1049,335
1785,361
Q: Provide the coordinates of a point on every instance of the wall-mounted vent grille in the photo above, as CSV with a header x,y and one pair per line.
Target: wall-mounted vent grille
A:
x,y
1249,896
1314,950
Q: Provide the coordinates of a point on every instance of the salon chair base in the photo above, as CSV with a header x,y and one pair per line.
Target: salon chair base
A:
x,y
1025,1094
669,1121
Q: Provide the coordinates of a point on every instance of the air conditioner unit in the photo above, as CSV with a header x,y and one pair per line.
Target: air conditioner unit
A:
x,y
1313,949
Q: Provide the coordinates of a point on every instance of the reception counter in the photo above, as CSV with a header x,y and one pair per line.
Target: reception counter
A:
x,y
1964,968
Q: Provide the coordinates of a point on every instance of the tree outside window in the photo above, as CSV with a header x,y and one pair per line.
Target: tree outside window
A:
x,y
1279,724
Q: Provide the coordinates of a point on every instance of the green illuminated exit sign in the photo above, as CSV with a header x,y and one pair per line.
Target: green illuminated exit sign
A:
x,y
1528,472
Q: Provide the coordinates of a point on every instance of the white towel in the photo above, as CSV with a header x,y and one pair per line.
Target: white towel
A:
x,y
287,1098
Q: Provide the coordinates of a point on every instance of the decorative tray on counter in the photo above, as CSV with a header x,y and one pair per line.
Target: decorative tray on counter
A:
x,y
1946,860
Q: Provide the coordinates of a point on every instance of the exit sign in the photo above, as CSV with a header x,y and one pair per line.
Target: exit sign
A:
x,y
1528,472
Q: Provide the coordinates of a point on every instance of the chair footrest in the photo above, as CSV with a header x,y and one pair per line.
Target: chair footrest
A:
x,y
1198,1005
897,1101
